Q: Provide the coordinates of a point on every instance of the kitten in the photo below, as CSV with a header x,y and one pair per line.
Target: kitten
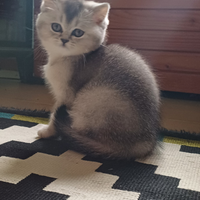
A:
x,y
107,98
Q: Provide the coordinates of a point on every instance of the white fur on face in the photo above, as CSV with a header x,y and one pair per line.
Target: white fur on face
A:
x,y
91,40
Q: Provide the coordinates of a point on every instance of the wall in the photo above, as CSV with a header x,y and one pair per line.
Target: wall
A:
x,y
167,33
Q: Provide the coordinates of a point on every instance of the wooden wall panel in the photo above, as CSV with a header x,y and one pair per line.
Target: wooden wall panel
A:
x,y
176,20
179,82
172,61
154,4
156,40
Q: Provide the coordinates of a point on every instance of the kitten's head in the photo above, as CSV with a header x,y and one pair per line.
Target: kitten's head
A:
x,y
72,27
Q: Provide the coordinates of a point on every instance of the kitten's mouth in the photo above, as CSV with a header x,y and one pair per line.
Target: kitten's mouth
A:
x,y
64,46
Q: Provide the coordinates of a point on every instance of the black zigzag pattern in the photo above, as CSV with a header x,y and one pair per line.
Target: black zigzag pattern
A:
x,y
133,176
30,188
187,149
141,178
23,150
6,123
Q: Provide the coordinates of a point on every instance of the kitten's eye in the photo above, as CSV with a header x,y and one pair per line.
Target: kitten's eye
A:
x,y
56,27
78,33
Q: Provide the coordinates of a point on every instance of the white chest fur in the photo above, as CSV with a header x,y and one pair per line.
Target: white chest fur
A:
x,y
58,74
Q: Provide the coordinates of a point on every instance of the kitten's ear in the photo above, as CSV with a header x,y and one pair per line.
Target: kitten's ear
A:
x,y
101,12
47,5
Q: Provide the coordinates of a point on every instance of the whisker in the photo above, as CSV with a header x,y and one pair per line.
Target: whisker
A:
x,y
104,46
89,14
55,3
84,58
30,29
50,8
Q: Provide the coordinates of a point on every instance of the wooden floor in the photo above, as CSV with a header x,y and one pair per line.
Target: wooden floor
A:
x,y
176,114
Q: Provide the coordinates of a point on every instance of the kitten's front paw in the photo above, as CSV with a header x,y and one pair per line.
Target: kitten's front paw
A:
x,y
46,132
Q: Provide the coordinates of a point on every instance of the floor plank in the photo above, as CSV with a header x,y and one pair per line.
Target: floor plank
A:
x,y
21,96
176,114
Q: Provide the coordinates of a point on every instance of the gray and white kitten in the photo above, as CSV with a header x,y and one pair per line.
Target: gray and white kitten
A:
x,y
107,98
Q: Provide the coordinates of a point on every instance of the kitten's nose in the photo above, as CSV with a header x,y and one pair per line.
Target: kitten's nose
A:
x,y
64,41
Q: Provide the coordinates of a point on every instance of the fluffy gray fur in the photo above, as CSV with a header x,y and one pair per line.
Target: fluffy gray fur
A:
x,y
110,95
